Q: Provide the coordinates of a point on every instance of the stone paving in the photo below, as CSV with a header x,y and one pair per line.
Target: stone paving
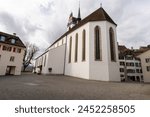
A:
x,y
42,87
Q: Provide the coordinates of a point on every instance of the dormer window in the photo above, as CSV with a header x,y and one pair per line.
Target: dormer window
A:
x,y
13,41
2,38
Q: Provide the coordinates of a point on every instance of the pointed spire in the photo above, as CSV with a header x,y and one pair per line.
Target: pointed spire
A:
x,y
71,14
101,5
79,14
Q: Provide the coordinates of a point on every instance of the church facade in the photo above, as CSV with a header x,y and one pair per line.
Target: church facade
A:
x,y
87,50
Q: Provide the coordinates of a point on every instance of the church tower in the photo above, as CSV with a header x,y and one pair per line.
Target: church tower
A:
x,y
73,20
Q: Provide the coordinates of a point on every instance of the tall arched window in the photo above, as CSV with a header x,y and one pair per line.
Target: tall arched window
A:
x,y
112,44
83,45
98,53
70,48
76,48
45,61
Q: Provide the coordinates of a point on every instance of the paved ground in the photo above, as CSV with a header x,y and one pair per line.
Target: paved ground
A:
x,y
33,87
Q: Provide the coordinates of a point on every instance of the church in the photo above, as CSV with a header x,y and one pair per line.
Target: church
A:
x,y
87,50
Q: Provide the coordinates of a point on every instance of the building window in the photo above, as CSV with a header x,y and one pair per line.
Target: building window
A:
x,y
130,71
121,57
127,64
9,49
12,58
121,75
83,45
141,71
131,64
122,63
112,45
2,38
98,53
121,69
19,50
137,70
147,60
45,61
137,64
5,48
70,49
148,68
14,49
76,48
129,57
13,41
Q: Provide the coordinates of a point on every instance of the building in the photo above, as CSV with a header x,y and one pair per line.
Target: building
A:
x,y
11,54
145,61
130,66
87,50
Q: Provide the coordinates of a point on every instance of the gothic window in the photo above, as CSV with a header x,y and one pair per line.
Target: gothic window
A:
x,y
98,53
45,61
112,45
76,48
83,45
70,48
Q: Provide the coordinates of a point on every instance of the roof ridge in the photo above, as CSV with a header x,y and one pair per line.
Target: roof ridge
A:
x,y
98,15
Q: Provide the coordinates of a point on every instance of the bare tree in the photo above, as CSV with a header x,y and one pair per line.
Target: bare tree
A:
x,y
30,51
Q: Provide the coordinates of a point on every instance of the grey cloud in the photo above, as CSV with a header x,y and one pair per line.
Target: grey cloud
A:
x,y
47,9
23,28
132,17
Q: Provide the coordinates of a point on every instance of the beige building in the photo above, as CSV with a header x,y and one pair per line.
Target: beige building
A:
x,y
11,54
130,66
145,61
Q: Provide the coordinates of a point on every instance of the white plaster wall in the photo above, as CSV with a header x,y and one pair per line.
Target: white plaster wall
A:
x,y
78,69
55,60
98,69
130,67
146,74
114,74
104,70
5,60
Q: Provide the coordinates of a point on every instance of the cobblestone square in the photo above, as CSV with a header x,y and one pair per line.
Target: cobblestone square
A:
x,y
42,87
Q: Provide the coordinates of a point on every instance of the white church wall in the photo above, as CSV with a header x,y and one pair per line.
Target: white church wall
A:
x,y
103,70
99,69
55,60
114,74
80,68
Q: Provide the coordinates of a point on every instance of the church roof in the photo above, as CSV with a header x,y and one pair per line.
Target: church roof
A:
x,y
98,15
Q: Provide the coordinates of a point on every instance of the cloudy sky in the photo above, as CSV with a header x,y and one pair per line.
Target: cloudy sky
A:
x,y
43,21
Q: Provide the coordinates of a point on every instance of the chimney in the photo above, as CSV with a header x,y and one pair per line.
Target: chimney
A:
x,y
14,34
131,48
